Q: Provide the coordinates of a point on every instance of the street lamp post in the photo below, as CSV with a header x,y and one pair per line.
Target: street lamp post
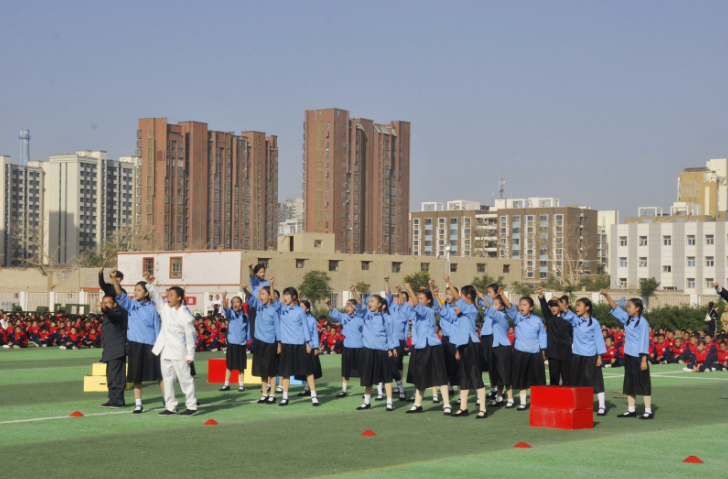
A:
x,y
448,248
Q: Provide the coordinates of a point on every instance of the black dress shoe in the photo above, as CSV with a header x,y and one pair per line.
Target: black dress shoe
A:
x,y
341,394
271,400
315,403
304,393
113,405
225,388
412,399
522,407
188,412
167,412
647,416
390,408
460,413
510,405
414,410
482,415
628,414
364,406
403,398
602,412
284,402
491,396
262,400
138,410
379,398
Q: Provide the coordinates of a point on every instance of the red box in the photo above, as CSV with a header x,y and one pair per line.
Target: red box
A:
x,y
562,418
216,371
562,397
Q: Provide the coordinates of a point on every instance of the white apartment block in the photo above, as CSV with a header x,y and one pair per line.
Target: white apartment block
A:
x,y
679,254
291,209
88,196
605,221
290,226
21,207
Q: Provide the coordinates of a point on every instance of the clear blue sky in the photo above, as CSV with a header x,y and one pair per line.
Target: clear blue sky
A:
x,y
598,103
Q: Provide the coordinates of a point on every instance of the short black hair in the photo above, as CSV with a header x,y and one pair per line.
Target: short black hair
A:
x,y
178,291
120,275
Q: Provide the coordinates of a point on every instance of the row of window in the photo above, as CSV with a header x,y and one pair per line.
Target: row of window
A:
x,y
690,263
690,283
667,240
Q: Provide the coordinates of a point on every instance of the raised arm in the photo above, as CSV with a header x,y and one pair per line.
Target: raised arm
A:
x,y
355,295
387,291
455,293
414,300
503,298
225,303
609,299
273,293
102,283
250,269
117,287
153,292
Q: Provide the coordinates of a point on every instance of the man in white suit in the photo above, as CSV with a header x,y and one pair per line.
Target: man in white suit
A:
x,y
175,345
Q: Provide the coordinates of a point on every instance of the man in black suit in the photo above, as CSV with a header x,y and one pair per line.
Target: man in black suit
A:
x,y
113,336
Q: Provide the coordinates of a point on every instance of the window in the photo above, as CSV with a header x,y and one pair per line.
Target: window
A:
x,y
175,267
691,240
622,282
482,267
559,217
300,263
529,274
643,240
543,275
691,283
506,268
643,262
622,262
691,261
453,267
316,243
333,265
709,261
396,267
264,262
424,266
365,265
148,265
667,240
709,239
622,241
667,269
709,282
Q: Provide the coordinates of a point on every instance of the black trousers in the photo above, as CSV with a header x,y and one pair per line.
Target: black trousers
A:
x,y
116,379
251,318
559,370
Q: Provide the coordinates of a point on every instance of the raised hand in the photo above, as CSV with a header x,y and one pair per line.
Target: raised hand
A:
x,y
386,279
224,298
604,291
447,278
716,285
398,288
540,291
101,270
352,288
327,301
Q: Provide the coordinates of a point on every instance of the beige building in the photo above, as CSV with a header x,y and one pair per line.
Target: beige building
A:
x,y
21,208
706,187
605,219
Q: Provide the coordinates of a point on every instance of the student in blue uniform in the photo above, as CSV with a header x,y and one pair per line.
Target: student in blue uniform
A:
x,y
401,310
257,280
502,355
530,346
429,368
468,351
588,347
486,336
449,328
375,364
144,327
267,335
238,335
294,346
636,350
352,325
312,325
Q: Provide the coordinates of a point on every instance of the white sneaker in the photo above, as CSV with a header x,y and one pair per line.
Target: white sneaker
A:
x,y
6,346
62,347
607,365
681,361
708,370
687,370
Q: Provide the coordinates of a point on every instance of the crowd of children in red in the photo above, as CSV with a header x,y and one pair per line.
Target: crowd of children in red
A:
x,y
42,330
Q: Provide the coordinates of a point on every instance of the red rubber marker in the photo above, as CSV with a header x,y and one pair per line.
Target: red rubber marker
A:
x,y
523,445
76,414
693,460
210,422
368,433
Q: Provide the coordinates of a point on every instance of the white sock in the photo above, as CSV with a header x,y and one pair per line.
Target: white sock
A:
x,y
313,394
138,402
434,397
343,387
399,385
389,401
227,383
600,396
379,389
630,408
648,410
510,401
523,398
285,395
241,384
494,390
367,398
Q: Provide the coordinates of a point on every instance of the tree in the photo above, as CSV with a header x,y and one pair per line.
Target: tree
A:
x,y
647,289
601,282
481,283
522,289
363,288
29,246
315,286
418,280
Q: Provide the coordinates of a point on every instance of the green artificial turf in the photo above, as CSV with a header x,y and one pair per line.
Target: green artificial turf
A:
x,y
254,440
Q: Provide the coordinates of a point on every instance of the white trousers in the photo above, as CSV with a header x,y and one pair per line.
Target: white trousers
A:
x,y
173,370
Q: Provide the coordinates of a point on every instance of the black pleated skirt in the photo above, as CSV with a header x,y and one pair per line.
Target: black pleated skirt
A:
x,y
411,367
584,372
470,366
350,362
236,358
451,364
294,361
400,356
375,367
315,364
265,359
143,365
487,342
527,370
501,363
396,362
429,367
636,381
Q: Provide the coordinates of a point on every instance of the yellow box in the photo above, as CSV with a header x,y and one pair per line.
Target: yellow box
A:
x,y
249,378
98,384
99,369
